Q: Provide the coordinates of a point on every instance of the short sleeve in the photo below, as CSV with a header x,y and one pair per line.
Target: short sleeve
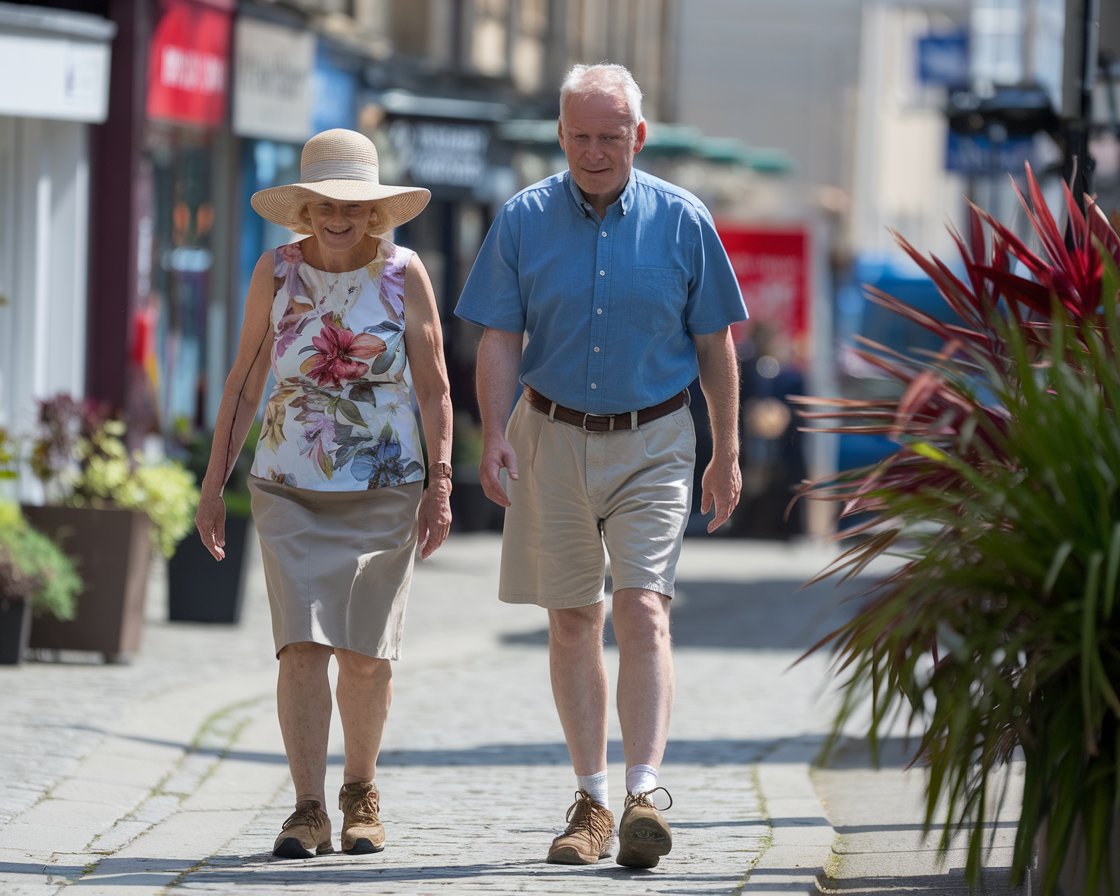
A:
x,y
492,294
715,300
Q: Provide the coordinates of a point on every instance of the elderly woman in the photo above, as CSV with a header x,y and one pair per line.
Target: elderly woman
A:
x,y
347,322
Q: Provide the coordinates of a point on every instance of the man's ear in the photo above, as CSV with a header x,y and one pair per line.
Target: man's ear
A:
x,y
640,136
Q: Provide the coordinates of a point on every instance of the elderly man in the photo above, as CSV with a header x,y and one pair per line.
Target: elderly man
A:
x,y
603,292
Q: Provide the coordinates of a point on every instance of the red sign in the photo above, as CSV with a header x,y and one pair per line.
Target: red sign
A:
x,y
772,265
188,69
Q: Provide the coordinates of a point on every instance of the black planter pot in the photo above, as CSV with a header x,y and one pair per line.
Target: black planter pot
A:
x,y
15,630
202,589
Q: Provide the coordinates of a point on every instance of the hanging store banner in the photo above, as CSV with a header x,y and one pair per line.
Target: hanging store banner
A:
x,y
188,69
273,81
772,265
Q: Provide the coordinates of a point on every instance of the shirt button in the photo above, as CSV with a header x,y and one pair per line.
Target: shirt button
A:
x,y
594,385
598,310
604,233
602,273
596,349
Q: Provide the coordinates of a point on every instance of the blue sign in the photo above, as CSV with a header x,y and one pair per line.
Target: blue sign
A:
x,y
334,88
943,58
978,155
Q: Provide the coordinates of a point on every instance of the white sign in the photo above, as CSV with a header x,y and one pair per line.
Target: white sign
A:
x,y
54,77
272,77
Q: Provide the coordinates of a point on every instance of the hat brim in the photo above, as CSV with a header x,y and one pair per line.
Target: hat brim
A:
x,y
394,205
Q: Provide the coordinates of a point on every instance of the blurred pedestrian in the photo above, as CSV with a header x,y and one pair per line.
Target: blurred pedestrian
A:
x,y
604,292
346,320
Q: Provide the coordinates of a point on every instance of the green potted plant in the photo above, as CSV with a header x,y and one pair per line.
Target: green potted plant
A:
x,y
997,634
106,508
35,577
199,588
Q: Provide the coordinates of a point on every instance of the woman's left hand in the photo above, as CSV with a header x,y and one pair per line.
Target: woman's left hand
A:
x,y
434,517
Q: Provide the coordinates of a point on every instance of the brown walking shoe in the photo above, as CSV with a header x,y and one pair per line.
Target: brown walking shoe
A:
x,y
589,833
362,831
643,834
305,834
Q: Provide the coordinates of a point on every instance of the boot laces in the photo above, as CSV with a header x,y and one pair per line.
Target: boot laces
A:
x,y
646,799
307,812
585,815
363,807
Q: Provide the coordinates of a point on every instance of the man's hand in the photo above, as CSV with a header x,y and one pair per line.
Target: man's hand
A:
x,y
497,455
722,485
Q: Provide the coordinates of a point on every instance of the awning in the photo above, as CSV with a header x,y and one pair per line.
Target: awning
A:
x,y
666,140
730,151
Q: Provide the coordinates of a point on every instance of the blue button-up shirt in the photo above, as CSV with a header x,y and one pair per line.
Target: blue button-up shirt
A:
x,y
609,306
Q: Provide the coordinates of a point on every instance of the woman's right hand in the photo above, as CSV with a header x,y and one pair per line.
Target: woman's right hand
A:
x,y
210,518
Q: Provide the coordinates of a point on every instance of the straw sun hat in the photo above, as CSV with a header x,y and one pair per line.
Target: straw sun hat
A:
x,y
340,165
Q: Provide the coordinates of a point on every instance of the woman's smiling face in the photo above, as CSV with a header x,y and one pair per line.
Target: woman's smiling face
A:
x,y
339,226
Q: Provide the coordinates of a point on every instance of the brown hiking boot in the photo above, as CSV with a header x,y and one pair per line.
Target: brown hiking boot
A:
x,y
589,833
362,831
643,835
305,834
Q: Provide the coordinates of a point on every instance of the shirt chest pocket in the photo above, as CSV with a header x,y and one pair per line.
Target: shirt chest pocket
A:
x,y
656,299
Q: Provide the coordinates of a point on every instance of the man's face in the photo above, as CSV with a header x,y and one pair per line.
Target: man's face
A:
x,y
599,141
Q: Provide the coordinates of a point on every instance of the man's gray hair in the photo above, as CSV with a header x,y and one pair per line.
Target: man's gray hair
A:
x,y
606,77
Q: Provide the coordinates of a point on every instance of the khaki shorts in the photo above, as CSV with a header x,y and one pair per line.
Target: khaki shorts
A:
x,y
576,492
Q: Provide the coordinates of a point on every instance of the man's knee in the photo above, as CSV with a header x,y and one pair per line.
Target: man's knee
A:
x,y
640,617
577,626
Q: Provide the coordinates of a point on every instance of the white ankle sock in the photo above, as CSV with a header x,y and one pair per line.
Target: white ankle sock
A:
x,y
595,785
641,779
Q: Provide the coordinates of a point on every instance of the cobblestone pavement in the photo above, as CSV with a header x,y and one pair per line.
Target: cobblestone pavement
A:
x,y
167,775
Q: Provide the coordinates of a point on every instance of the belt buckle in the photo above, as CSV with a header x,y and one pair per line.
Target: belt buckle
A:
x,y
607,426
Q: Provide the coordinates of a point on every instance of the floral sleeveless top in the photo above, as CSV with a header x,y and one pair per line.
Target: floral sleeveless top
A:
x,y
340,416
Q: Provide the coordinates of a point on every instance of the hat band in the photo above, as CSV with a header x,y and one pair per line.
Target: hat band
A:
x,y
337,169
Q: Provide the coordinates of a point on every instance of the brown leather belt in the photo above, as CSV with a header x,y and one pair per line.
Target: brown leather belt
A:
x,y
603,422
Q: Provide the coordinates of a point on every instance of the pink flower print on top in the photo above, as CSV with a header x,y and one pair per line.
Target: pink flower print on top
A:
x,y
340,355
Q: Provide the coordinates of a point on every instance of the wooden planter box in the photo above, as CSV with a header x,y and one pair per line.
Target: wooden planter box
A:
x,y
113,550
201,589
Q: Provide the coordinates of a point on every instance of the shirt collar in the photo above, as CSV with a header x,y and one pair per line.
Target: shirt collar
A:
x,y
626,200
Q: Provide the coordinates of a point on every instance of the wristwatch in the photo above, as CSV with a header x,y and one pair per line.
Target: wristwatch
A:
x,y
441,469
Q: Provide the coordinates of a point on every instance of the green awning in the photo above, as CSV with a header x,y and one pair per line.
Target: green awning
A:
x,y
665,139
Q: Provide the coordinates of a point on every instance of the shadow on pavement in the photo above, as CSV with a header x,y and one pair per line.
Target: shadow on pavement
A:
x,y
993,882
769,614
242,873
39,869
847,754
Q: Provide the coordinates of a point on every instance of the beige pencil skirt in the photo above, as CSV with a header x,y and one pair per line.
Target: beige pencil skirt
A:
x,y
337,565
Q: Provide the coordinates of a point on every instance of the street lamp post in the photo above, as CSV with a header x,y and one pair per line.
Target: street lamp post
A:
x,y
1082,27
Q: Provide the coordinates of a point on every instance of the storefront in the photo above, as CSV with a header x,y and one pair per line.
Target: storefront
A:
x,y
177,356
60,62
